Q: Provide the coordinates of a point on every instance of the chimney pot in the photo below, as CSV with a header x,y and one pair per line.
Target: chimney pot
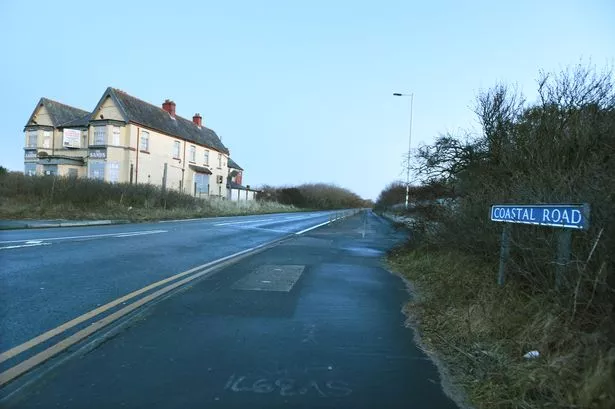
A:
x,y
169,106
197,119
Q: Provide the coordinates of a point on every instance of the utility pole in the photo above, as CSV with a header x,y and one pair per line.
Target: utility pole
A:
x,y
411,95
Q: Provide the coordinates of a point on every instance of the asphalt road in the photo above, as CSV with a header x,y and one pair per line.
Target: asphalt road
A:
x,y
50,276
312,322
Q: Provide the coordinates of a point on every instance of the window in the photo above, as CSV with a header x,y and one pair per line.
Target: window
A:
x,y
46,139
100,135
32,139
96,169
30,169
116,136
114,171
176,150
219,160
144,144
201,182
192,153
72,172
206,157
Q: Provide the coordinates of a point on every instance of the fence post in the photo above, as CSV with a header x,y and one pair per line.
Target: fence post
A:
x,y
504,253
564,241
164,177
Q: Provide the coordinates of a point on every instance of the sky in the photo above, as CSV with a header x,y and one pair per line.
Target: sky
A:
x,y
298,91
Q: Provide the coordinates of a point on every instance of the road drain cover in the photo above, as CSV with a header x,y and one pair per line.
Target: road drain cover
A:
x,y
271,278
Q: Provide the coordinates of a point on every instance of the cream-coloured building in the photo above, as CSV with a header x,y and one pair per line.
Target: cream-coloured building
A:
x,y
127,140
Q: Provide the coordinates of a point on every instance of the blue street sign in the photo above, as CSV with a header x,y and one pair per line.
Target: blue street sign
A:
x,y
572,216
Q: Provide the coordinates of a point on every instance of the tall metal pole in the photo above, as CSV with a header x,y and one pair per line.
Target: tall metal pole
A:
x,y
409,152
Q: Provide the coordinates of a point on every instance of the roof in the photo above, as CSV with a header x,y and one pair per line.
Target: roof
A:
x,y
154,117
200,169
232,185
233,165
59,113
78,122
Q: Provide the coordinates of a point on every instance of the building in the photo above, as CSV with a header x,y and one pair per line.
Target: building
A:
x,y
127,140
235,190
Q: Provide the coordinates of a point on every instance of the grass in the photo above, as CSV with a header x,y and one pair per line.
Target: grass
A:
x,y
27,197
481,332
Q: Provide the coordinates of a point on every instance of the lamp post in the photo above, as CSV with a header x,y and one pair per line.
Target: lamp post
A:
x,y
411,95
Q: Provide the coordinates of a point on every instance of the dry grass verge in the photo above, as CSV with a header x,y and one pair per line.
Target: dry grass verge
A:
x,y
45,197
482,331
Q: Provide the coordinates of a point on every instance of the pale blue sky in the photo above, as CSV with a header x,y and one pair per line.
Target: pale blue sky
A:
x,y
299,91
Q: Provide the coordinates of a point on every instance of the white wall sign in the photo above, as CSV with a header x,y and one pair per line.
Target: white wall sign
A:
x,y
98,154
71,138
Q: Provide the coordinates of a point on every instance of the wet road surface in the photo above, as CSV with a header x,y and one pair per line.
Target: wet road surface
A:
x,y
313,322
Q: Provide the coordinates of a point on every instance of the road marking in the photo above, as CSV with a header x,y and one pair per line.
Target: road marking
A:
x,y
24,245
39,358
138,233
90,236
314,227
244,222
260,228
30,363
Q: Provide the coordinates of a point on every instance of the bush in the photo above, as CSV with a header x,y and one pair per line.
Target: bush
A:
x,y
313,196
560,149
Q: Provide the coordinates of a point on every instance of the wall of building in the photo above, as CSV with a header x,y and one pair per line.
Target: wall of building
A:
x,y
161,150
108,110
124,160
241,195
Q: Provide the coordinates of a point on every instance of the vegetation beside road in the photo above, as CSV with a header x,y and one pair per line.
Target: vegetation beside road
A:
x,y
31,197
560,149
314,196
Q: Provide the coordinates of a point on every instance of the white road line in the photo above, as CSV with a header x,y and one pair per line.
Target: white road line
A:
x,y
138,233
24,245
91,236
313,227
243,222
260,228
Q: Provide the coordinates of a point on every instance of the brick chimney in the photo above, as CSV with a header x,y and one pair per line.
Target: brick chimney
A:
x,y
197,119
169,106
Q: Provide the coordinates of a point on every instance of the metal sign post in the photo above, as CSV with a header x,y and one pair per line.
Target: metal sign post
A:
x,y
564,216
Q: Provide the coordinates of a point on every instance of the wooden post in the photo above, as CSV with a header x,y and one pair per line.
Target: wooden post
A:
x,y
564,241
164,177
504,253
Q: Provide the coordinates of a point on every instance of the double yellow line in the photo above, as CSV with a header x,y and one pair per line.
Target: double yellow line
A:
x,y
188,276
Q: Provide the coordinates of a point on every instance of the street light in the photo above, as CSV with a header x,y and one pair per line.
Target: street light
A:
x,y
411,95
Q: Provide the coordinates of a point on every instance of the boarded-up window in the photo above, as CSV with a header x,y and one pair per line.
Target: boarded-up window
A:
x,y
202,182
96,169
114,171
100,135
144,145
176,150
30,169
46,139
32,139
116,135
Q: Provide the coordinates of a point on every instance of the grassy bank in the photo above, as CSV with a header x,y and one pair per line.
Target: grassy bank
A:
x,y
32,197
482,331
